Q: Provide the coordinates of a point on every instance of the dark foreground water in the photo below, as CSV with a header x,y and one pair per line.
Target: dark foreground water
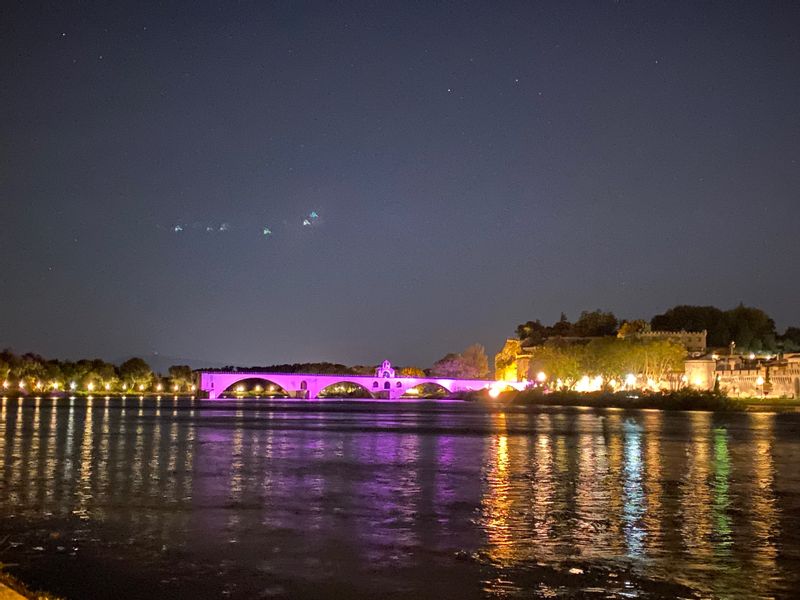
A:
x,y
249,499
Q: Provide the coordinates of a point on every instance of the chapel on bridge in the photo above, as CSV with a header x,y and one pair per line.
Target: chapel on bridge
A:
x,y
385,370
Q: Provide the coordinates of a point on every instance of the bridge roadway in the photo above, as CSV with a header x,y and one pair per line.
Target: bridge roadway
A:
x,y
307,385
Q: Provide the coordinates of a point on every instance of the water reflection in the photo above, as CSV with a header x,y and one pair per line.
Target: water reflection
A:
x,y
612,488
349,493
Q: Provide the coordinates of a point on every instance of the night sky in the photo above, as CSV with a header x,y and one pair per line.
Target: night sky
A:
x,y
252,182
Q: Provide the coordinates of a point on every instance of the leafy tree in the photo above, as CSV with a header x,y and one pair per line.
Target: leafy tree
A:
x,y
630,328
558,363
608,357
561,328
475,358
451,365
790,340
595,324
751,328
533,332
136,372
471,364
5,368
410,372
695,318
181,376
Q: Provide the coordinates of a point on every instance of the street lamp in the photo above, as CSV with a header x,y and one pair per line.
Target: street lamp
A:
x,y
760,381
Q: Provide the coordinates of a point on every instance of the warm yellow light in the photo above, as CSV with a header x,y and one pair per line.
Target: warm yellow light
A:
x,y
108,386
258,388
194,387
141,386
240,388
494,391
175,388
715,356
72,385
752,356
759,380
55,385
630,379
541,377
5,384
38,385
90,387
22,385
589,384
159,387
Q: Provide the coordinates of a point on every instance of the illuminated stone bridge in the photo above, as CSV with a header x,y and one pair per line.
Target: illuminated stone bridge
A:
x,y
384,384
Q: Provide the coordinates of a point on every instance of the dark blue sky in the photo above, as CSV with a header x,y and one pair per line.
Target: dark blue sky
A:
x,y
473,166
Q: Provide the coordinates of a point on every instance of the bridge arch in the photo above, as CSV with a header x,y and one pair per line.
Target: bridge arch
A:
x,y
344,389
253,387
427,390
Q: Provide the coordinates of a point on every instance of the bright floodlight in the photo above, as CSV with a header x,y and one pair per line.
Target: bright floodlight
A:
x,y
541,377
72,385
759,380
90,387
630,379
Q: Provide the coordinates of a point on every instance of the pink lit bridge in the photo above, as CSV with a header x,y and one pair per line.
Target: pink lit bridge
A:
x,y
384,384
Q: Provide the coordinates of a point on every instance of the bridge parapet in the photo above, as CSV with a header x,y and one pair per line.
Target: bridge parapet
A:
x,y
309,385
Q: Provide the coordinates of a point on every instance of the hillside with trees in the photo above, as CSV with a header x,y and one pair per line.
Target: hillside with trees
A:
x,y
750,328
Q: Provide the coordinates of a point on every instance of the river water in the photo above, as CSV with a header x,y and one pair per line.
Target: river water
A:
x,y
183,498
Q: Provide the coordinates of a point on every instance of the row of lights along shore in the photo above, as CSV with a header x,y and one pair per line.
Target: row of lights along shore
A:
x,y
56,386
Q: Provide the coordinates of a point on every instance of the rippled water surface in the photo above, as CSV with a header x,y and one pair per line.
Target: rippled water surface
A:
x,y
184,498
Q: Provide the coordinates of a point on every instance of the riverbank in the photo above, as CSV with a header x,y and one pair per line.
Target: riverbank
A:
x,y
678,400
13,589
